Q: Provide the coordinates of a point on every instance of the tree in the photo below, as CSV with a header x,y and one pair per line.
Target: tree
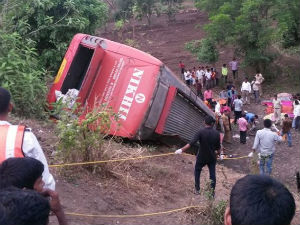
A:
x,y
172,7
22,75
253,32
288,18
220,27
53,23
146,8
34,35
205,50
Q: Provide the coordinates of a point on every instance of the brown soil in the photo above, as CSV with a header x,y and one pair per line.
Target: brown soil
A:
x,y
165,183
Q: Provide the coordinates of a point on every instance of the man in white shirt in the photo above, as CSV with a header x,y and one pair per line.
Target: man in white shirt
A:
x,y
202,75
260,79
296,119
246,90
208,78
18,141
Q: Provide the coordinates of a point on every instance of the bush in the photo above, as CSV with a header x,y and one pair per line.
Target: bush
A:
x,y
205,50
81,134
217,213
22,75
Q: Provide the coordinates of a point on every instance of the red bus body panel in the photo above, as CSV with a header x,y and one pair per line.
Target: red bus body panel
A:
x,y
125,81
148,98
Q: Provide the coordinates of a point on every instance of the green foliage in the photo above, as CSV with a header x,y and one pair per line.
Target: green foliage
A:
x,y
217,212
208,5
214,211
22,75
131,42
34,36
205,50
221,27
81,134
53,23
254,33
119,24
252,25
288,18
119,27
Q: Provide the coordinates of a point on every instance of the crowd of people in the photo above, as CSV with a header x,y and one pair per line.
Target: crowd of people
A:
x,y
233,99
204,78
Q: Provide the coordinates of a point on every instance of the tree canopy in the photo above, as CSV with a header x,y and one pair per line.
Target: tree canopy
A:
x,y
252,26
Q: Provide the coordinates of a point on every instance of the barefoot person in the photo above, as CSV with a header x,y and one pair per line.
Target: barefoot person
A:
x,y
210,145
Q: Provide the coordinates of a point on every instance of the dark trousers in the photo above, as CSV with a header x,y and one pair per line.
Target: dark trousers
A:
x,y
229,102
235,74
212,174
297,123
243,135
237,115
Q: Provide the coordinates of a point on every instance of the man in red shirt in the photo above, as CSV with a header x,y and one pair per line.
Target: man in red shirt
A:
x,y
181,66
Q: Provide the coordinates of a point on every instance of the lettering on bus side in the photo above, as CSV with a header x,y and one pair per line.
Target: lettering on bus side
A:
x,y
128,98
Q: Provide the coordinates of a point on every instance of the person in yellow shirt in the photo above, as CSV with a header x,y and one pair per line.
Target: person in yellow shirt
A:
x,y
224,72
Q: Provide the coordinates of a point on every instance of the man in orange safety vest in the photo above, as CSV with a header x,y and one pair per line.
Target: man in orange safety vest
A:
x,y
19,141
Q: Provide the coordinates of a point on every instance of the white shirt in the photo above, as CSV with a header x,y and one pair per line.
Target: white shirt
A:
x,y
218,109
202,72
208,75
296,110
255,85
246,86
31,148
198,75
187,75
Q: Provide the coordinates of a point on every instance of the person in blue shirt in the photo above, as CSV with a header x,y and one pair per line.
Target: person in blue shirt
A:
x,y
251,117
252,121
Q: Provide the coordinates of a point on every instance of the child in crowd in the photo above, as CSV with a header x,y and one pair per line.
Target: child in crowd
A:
x,y
286,129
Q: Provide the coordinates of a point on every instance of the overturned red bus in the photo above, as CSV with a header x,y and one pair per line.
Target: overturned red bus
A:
x,y
149,99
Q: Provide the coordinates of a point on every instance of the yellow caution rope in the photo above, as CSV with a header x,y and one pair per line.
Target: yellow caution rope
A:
x,y
126,159
134,215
